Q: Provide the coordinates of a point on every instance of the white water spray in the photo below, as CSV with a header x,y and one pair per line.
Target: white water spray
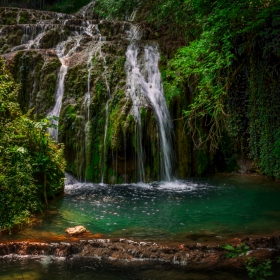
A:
x,y
60,51
144,84
107,117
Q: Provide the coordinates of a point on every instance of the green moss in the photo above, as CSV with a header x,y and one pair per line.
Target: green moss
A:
x,y
4,49
38,79
2,42
85,147
9,17
143,113
52,38
47,83
24,17
15,38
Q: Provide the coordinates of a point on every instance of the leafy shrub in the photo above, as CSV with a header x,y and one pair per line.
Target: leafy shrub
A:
x,y
258,270
31,164
234,252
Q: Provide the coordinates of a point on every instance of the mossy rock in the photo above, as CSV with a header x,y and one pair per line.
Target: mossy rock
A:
x,y
52,38
24,17
8,17
37,75
14,39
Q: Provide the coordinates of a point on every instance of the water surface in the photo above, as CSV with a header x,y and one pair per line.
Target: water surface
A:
x,y
211,208
45,268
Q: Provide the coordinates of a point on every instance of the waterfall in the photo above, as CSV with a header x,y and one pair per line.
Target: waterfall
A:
x,y
60,51
78,45
87,11
153,89
58,99
89,66
144,85
106,116
134,91
95,49
32,35
104,141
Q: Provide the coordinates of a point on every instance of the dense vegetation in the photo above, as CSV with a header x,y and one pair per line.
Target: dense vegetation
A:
x,y
227,60
31,164
220,63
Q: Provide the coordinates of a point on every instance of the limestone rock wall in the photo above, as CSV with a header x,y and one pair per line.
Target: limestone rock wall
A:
x,y
95,102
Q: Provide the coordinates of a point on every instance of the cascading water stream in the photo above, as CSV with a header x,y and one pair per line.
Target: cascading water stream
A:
x,y
87,11
60,51
59,94
87,97
106,116
94,51
153,89
144,84
18,18
134,90
104,141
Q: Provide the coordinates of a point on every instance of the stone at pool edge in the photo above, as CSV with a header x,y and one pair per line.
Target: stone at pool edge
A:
x,y
76,230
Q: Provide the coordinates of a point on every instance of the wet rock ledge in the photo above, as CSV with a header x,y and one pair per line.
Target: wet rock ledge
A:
x,y
194,256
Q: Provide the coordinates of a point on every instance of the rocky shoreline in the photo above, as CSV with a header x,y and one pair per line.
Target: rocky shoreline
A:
x,y
194,256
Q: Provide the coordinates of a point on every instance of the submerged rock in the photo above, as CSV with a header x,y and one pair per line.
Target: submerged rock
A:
x,y
76,230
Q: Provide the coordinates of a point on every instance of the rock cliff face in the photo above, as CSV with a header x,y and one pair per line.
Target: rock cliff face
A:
x,y
101,79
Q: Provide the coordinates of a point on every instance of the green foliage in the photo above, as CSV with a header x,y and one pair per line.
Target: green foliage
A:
x,y
236,251
232,66
255,269
31,164
38,79
116,9
276,150
258,270
264,119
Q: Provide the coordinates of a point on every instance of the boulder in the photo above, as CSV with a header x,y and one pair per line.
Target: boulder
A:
x,y
76,230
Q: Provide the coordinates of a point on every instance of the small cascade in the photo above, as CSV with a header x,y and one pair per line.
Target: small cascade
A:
x,y
60,51
144,86
104,141
106,115
58,99
34,33
18,18
36,42
89,66
87,97
96,49
87,11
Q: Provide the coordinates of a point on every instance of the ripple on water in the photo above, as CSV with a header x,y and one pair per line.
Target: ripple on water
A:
x,y
222,205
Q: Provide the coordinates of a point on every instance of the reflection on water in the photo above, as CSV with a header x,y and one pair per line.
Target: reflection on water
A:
x,y
197,209
46,268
